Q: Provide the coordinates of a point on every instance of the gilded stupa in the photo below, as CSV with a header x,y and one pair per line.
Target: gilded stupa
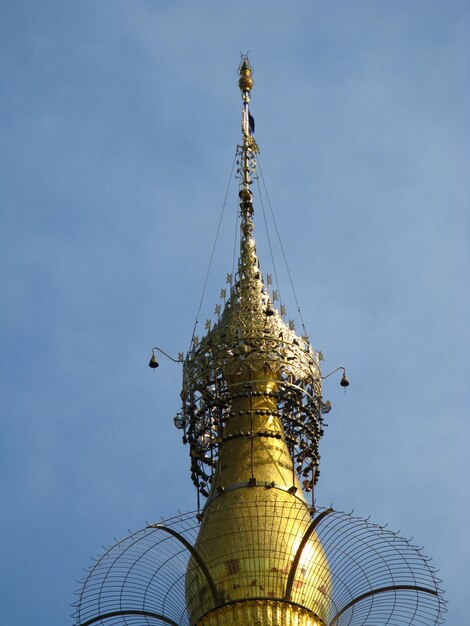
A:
x,y
256,552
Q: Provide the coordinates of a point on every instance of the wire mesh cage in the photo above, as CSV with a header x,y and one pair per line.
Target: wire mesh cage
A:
x,y
377,577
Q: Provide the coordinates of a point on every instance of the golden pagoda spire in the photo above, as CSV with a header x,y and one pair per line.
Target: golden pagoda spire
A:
x,y
256,554
251,407
253,554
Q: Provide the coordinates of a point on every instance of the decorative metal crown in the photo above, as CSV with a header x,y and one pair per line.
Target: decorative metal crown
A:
x,y
251,334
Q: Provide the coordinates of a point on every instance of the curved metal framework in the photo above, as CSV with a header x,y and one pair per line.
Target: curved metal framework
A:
x,y
195,554
146,614
295,563
378,578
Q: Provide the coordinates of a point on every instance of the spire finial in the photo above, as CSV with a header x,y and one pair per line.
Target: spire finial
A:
x,y
249,147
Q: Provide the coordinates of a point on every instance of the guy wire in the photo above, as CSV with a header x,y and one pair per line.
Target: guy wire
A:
x,y
282,250
269,241
213,251
235,241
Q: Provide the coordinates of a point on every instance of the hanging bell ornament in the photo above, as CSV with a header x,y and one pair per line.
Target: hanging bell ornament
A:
x,y
344,382
153,363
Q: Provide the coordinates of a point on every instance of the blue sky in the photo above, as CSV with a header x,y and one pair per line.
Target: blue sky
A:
x,y
119,122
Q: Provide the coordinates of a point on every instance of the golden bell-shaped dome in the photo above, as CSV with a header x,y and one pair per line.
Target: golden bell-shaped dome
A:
x,y
249,542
